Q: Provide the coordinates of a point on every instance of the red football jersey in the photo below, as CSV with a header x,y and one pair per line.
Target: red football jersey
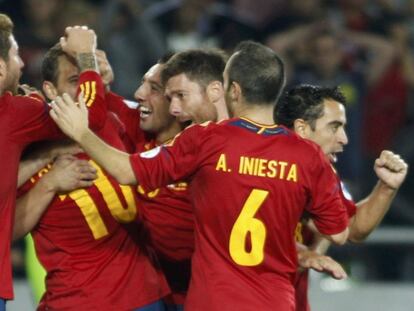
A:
x,y
305,236
93,261
168,214
23,120
128,113
249,186
167,211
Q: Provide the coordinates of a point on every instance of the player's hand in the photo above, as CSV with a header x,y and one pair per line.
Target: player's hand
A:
x,y
56,149
69,173
391,169
105,68
311,260
71,117
78,39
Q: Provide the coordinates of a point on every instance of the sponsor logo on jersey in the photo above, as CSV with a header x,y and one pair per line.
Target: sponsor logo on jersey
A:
x,y
150,153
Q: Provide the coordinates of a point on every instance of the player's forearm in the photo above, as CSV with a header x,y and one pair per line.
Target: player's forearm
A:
x,y
87,61
370,212
338,238
320,244
114,161
29,167
31,206
282,42
383,53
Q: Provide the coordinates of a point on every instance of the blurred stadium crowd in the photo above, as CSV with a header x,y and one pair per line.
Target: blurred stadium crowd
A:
x,y
365,46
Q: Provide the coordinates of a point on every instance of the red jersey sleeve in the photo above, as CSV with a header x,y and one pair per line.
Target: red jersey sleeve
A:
x,y
128,113
347,200
30,120
90,83
166,164
327,210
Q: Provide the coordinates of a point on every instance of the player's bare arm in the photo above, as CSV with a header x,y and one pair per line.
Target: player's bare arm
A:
x,y
73,121
42,155
391,171
80,42
67,173
339,238
105,69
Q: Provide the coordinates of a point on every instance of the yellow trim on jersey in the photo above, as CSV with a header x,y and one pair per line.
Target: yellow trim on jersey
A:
x,y
93,94
260,125
88,89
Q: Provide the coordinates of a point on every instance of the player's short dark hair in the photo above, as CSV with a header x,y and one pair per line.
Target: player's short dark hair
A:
x,y
305,102
259,71
6,29
200,66
165,58
50,64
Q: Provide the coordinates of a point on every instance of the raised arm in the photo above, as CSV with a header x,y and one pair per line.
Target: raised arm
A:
x,y
382,53
285,42
67,174
391,171
322,242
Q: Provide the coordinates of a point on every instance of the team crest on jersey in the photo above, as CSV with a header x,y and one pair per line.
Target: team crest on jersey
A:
x,y
345,191
150,153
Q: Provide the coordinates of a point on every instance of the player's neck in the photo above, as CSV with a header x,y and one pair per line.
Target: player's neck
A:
x,y
222,112
169,133
262,114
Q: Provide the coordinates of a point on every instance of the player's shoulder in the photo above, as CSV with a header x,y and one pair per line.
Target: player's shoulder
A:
x,y
303,143
9,99
303,147
198,133
201,127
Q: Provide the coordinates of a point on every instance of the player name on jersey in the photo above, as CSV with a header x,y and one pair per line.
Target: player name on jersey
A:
x,y
261,167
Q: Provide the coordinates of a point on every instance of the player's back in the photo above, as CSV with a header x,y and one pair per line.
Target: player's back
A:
x,y
23,119
249,185
252,185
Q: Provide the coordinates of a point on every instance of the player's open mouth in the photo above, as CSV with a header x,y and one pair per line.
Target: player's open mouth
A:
x,y
145,112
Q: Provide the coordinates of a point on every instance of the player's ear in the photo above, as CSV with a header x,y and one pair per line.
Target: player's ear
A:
x,y
300,126
50,90
235,91
215,91
3,72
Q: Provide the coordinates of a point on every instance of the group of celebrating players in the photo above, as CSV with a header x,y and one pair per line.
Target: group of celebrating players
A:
x,y
192,197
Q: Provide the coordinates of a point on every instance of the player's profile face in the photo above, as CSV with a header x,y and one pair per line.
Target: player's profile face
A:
x,y
153,105
68,76
189,101
14,67
329,131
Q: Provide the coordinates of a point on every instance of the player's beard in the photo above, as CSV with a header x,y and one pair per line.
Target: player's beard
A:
x,y
13,85
12,80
